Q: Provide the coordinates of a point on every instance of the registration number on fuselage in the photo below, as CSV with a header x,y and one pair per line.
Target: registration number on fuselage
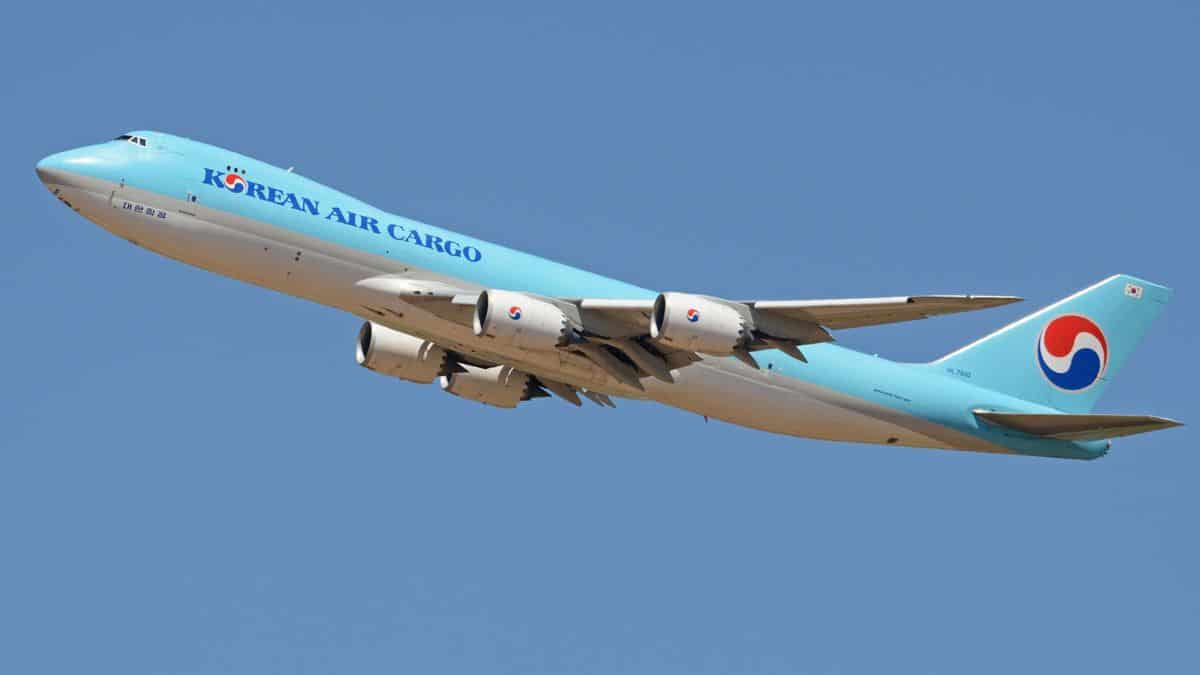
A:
x,y
143,210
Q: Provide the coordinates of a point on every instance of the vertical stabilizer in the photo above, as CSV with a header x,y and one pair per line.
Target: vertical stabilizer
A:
x,y
1066,354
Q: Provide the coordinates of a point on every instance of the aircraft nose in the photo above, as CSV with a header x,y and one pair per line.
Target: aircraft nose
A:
x,y
73,167
50,170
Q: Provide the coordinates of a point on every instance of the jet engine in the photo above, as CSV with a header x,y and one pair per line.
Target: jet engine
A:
x,y
699,324
499,386
521,320
401,355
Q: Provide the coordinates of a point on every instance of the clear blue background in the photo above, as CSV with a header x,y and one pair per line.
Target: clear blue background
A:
x,y
196,478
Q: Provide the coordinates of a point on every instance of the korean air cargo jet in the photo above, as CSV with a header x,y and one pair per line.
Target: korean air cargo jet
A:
x,y
502,327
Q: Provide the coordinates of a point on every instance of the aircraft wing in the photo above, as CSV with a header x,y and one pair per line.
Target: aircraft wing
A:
x,y
629,317
858,312
652,336
830,314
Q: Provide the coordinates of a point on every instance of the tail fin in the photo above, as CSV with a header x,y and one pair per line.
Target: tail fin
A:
x,y
1065,355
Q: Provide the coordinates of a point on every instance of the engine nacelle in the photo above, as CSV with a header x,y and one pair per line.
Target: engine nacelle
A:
x,y
521,321
401,355
699,324
500,386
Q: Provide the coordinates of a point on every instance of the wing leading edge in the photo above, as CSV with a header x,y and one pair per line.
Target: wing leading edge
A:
x,y
859,312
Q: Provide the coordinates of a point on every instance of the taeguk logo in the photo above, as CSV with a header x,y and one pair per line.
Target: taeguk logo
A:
x,y
514,313
1072,352
235,183
693,315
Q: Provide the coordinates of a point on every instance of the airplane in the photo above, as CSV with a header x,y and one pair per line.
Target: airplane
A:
x,y
502,327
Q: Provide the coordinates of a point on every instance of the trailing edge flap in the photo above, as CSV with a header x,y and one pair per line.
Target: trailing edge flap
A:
x,y
1085,427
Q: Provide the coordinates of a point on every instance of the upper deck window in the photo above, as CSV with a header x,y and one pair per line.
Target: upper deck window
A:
x,y
136,140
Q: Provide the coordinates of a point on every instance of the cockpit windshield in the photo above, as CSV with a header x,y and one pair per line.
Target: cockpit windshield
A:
x,y
136,140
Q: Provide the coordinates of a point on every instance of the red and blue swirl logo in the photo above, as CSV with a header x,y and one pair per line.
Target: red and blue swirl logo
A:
x,y
1072,352
235,183
514,313
693,315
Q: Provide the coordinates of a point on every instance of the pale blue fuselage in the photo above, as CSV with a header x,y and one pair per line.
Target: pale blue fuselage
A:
x,y
278,229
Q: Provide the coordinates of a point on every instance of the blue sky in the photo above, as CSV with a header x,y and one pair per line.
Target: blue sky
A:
x,y
196,478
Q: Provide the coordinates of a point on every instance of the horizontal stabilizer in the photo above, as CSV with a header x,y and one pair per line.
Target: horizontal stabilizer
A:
x,y
1085,427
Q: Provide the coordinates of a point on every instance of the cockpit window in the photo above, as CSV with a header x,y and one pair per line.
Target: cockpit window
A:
x,y
136,140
